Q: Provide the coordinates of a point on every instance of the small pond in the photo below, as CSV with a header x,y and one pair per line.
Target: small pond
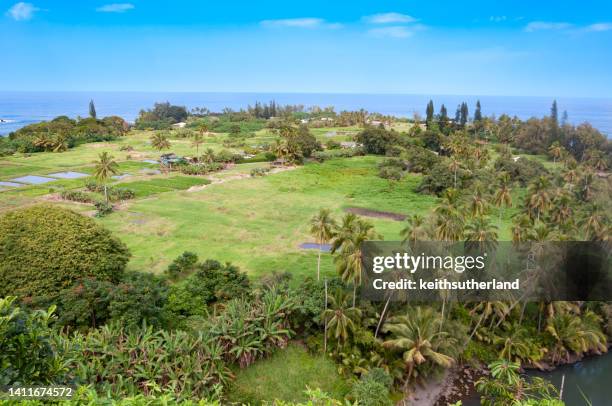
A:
x,y
33,179
315,246
10,184
68,175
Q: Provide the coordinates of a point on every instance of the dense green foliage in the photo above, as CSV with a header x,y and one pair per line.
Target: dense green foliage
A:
x,y
62,133
44,249
161,116
27,352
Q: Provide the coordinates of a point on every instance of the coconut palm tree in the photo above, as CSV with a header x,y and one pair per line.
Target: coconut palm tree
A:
x,y
538,199
585,186
203,129
454,166
522,226
418,336
60,143
503,195
349,242
478,203
449,225
322,227
160,141
43,141
593,222
341,318
489,310
414,230
481,230
105,168
197,141
556,150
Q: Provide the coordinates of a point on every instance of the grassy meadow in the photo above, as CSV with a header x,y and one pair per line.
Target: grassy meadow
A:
x,y
285,376
256,223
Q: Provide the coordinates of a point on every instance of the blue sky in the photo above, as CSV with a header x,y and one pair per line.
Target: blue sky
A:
x,y
459,47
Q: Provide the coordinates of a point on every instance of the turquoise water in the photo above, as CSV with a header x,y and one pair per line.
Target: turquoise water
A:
x,y
22,108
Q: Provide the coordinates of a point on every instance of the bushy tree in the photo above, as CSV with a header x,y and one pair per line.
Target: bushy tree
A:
x,y
377,140
44,249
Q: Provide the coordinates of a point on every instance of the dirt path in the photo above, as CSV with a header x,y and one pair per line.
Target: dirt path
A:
x,y
376,213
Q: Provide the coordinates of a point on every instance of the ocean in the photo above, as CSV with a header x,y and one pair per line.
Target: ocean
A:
x,y
18,109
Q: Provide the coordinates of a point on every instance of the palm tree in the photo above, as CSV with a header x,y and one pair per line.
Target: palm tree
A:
x,y
203,129
105,168
208,156
478,203
449,225
454,166
59,143
160,141
418,336
414,230
593,221
539,199
43,141
556,150
340,317
481,230
197,141
349,238
322,228
503,195
521,228
585,186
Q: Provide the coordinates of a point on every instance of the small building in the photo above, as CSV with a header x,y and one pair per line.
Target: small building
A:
x,y
179,125
348,144
171,159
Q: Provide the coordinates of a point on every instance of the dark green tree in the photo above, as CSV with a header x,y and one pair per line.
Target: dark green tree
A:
x,y
443,118
464,114
477,112
429,112
92,109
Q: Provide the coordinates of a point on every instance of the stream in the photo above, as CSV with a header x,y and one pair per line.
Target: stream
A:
x,y
592,375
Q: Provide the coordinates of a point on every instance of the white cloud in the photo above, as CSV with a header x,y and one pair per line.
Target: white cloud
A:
x,y
22,11
386,18
306,22
543,25
391,32
498,19
599,27
115,8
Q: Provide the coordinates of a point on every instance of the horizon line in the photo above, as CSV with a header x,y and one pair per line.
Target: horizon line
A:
x,y
307,93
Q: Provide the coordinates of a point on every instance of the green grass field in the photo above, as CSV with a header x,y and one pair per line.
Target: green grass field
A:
x,y
256,223
259,223
285,376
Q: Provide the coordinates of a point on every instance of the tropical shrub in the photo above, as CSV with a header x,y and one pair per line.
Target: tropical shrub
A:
x,y
146,362
77,196
184,263
338,153
136,298
372,389
522,170
44,249
103,208
210,283
255,172
27,353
